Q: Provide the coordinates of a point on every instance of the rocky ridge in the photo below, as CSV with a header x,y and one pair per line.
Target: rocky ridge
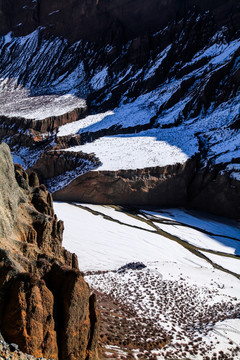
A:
x,y
45,305
166,185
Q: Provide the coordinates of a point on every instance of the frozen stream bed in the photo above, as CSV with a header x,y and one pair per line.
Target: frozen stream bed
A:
x,y
185,304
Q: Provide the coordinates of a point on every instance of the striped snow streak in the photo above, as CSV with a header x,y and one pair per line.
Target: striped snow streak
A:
x,y
41,65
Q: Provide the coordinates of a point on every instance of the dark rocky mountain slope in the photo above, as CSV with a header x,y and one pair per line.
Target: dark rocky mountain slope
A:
x,y
45,305
106,20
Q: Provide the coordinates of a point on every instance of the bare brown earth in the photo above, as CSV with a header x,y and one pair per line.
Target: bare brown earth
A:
x,y
45,304
122,330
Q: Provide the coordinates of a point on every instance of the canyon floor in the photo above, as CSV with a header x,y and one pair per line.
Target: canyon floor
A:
x,y
185,302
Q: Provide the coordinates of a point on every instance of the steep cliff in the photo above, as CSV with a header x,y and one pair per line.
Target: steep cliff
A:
x,y
105,20
172,185
159,186
45,304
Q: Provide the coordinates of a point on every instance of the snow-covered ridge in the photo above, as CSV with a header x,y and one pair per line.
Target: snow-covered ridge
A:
x,y
158,113
39,107
175,126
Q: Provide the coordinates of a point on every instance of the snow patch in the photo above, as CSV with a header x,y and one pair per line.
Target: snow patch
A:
x,y
132,152
75,127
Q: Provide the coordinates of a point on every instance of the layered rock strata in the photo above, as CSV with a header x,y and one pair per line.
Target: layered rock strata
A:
x,y
45,304
159,186
187,184
28,132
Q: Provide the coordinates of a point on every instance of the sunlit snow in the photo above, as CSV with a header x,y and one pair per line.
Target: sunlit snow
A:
x,y
136,152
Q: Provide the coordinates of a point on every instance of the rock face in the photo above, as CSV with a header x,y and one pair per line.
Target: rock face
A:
x,y
173,185
215,192
54,163
160,186
169,66
45,304
11,195
104,20
16,127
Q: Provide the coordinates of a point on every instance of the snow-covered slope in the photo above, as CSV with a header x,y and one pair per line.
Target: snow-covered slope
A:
x,y
134,107
189,291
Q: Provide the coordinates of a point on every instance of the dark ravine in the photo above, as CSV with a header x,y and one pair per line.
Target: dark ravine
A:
x,y
45,304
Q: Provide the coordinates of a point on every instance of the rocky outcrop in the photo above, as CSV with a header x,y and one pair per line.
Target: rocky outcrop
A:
x,y
216,192
160,186
189,185
58,162
10,193
27,132
45,304
11,351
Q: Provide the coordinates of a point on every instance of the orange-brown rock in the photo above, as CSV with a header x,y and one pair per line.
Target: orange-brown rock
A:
x,y
162,186
188,185
45,304
27,319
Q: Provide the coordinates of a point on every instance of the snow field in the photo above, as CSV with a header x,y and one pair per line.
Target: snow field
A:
x,y
179,296
122,152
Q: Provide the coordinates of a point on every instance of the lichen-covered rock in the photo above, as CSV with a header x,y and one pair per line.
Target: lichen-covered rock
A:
x,y
10,194
45,305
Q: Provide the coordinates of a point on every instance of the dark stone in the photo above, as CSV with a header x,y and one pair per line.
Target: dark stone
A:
x,y
13,347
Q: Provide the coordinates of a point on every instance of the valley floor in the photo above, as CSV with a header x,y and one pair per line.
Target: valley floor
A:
x,y
185,304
